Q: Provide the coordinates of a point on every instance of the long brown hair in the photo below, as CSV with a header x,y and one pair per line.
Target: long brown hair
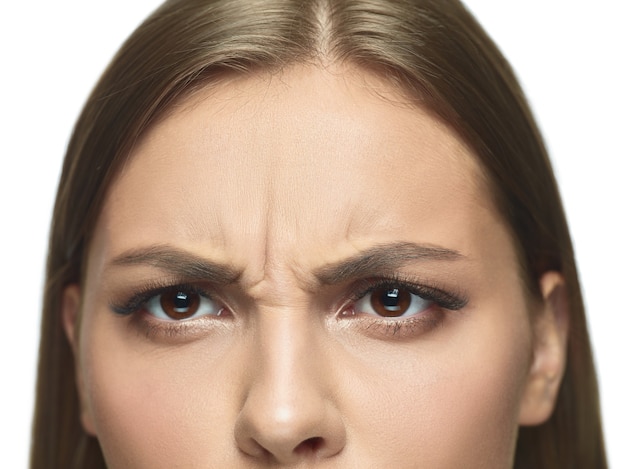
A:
x,y
434,50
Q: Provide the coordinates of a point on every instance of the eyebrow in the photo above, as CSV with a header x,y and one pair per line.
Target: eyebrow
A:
x,y
178,262
383,258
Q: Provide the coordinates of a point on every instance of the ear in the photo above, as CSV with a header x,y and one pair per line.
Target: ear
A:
x,y
551,325
70,313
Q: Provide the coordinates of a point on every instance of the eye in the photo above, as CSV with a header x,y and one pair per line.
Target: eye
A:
x,y
179,304
391,303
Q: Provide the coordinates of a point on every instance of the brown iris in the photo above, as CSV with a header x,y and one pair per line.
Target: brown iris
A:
x,y
390,302
179,304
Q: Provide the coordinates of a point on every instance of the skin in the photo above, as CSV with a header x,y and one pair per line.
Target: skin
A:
x,y
279,179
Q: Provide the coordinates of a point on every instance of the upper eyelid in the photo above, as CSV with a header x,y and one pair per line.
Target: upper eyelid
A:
x,y
366,285
139,298
451,299
355,291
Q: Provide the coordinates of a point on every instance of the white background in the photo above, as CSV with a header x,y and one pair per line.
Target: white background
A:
x,y
569,55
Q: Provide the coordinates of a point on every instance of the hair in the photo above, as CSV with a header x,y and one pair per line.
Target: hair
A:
x,y
434,51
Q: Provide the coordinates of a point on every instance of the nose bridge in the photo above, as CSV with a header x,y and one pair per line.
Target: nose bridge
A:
x,y
283,371
284,334
288,414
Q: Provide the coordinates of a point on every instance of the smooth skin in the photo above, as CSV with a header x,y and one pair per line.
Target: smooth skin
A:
x,y
282,199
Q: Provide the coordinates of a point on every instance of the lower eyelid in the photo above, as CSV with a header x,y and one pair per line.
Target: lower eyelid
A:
x,y
370,324
394,328
177,331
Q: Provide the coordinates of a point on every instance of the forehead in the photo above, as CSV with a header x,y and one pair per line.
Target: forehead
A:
x,y
326,158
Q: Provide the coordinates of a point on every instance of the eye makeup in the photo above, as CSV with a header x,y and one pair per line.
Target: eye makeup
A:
x,y
178,295
394,306
435,302
439,296
146,293
141,307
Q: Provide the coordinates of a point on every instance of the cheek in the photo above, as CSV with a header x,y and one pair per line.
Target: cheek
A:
x,y
481,394
450,403
150,407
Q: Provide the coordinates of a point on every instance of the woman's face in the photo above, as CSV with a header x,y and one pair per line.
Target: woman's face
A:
x,y
300,270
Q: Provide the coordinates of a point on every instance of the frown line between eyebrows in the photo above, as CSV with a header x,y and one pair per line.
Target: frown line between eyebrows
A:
x,y
383,258
178,262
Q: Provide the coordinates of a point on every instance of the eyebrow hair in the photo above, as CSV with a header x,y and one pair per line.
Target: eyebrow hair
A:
x,y
178,262
383,258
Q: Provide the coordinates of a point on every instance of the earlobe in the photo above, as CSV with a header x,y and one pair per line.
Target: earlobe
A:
x,y
550,326
70,314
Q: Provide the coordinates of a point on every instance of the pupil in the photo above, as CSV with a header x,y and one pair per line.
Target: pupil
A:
x,y
391,302
391,298
181,301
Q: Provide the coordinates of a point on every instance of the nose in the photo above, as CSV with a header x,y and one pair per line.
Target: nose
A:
x,y
289,414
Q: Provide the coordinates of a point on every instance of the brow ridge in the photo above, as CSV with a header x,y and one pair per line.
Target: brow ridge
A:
x,y
178,262
383,258
379,259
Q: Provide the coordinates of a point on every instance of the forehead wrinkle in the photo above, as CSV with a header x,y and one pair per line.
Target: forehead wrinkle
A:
x,y
277,225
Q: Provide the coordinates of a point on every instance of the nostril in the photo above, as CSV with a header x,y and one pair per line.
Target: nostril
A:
x,y
310,446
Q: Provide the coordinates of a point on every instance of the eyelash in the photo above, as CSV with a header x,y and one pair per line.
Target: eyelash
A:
x,y
138,300
441,298
134,307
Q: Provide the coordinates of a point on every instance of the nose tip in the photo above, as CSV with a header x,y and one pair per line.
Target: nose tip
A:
x,y
304,431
